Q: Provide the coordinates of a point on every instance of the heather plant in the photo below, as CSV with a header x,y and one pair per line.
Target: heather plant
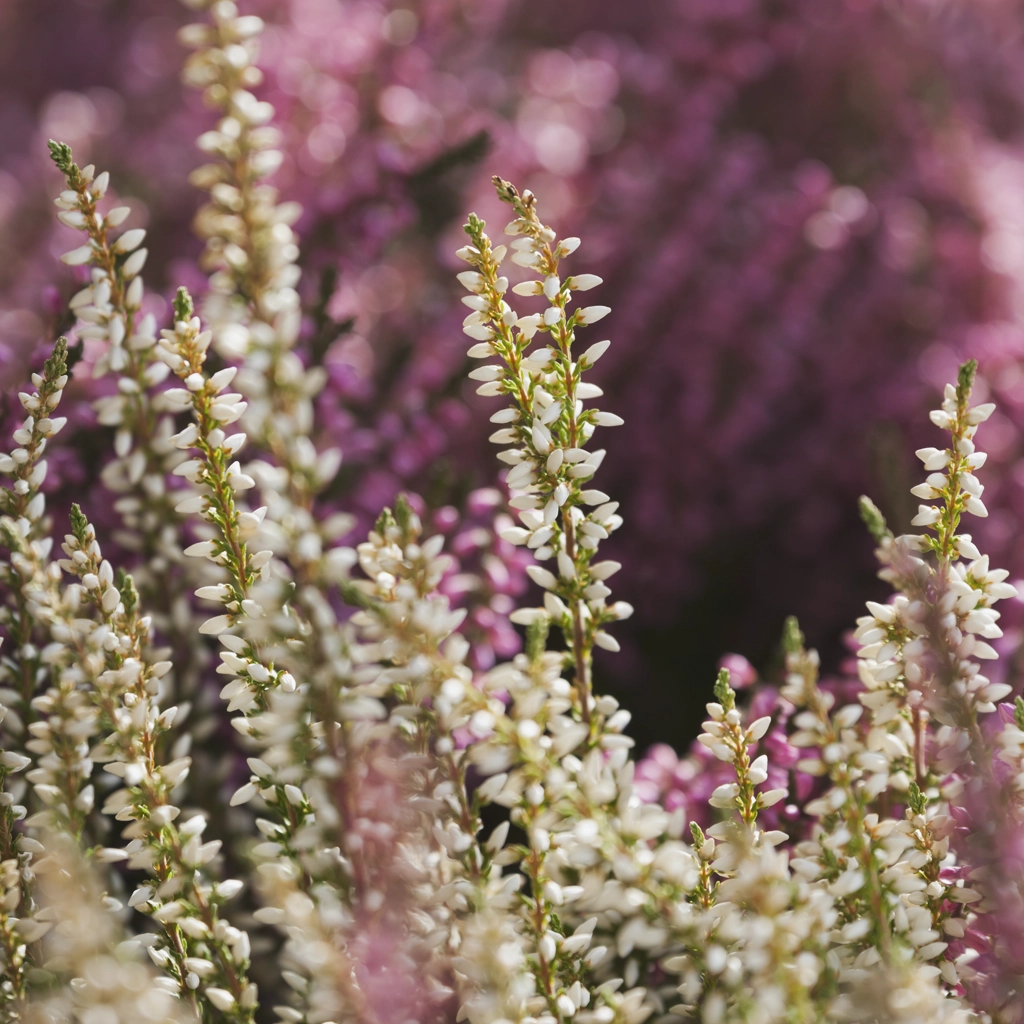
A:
x,y
398,828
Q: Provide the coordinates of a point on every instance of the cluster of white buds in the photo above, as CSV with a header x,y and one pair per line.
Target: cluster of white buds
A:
x,y
921,647
110,323
110,303
411,628
883,872
24,503
601,866
547,425
251,253
252,310
18,923
106,683
250,247
104,975
274,711
920,660
725,736
184,350
23,535
920,651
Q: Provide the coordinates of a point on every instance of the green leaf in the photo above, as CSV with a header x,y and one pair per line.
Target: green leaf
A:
x,y
129,595
916,799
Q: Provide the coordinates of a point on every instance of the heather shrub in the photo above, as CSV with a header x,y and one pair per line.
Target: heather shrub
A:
x,y
391,812
786,200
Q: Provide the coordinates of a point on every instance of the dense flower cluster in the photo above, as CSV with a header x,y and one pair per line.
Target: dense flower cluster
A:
x,y
397,815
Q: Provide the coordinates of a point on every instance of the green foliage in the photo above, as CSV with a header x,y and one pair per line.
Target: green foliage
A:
x,y
792,637
384,521
916,800
537,637
965,381
873,519
724,693
79,524
129,595
404,515
183,307
507,192
698,835
57,365
60,154
474,227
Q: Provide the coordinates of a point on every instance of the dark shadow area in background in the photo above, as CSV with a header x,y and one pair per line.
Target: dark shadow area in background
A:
x,y
668,671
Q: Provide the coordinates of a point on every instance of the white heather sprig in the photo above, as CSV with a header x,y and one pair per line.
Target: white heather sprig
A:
x,y
22,533
725,736
251,253
411,628
519,747
918,660
919,652
547,425
253,312
17,925
108,685
110,304
846,853
578,811
102,974
275,715
250,248
108,312
213,408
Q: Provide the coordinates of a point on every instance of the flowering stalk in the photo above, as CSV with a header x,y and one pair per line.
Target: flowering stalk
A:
x,y
32,585
22,530
857,775
725,736
918,659
108,312
547,426
102,973
198,946
112,301
411,627
519,748
266,694
251,253
17,925
184,350
252,310
569,779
